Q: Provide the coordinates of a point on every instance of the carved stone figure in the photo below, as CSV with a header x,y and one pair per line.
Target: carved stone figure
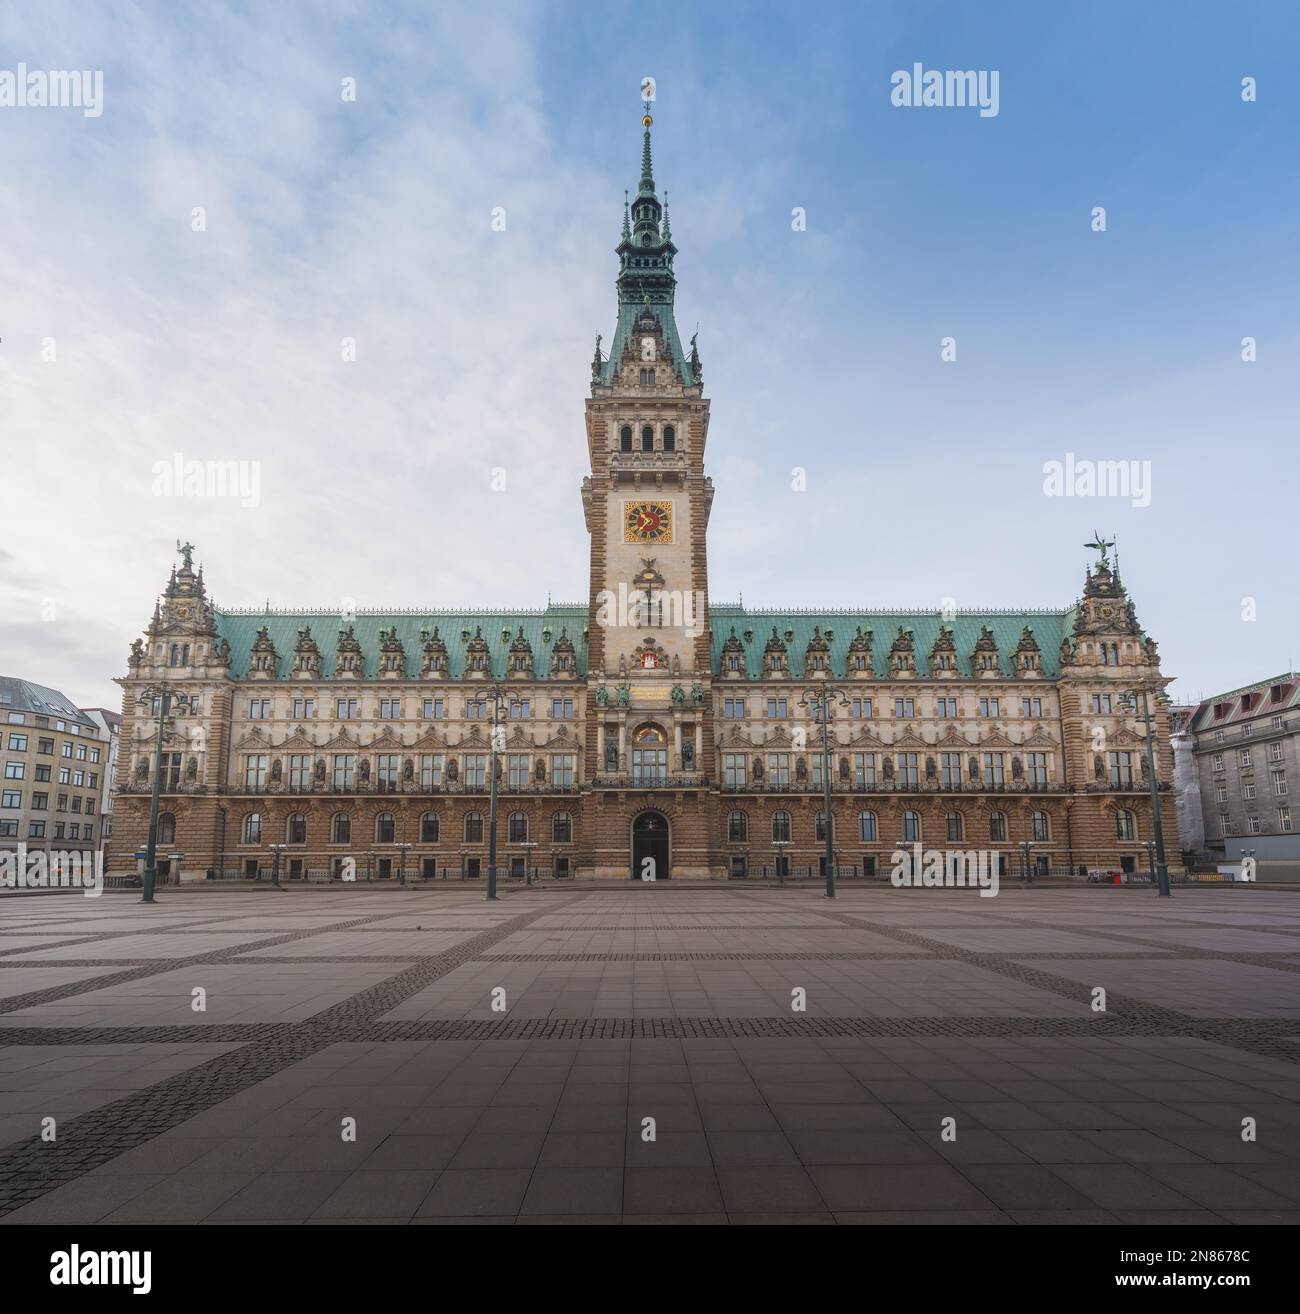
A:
x,y
602,697
623,694
697,695
1017,768
142,769
611,756
844,768
318,771
758,770
539,771
1098,767
137,652
277,771
363,771
192,769
408,771
678,695
453,771
688,756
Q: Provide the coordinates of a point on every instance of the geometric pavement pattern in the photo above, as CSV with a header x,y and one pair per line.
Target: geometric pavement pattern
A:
x,y
669,1002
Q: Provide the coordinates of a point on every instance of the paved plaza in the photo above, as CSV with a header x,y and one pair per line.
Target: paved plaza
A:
x,y
201,1059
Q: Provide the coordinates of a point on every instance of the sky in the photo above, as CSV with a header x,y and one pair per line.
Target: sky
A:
x,y
184,273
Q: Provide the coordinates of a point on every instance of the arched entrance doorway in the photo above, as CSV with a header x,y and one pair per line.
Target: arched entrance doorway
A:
x,y
650,842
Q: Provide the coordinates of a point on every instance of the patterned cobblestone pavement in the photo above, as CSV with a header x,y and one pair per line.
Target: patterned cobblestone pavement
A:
x,y
786,1082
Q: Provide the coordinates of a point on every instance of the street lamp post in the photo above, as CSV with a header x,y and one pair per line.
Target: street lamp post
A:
x,y
276,850
1026,855
166,700
403,847
498,698
1150,846
1129,703
819,700
528,846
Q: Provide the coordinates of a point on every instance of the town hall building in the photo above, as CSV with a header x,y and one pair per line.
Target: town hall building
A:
x,y
649,723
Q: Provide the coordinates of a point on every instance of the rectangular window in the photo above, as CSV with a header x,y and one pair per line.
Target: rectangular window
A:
x,y
40,801
11,798
259,709
733,709
46,746
304,709
475,770
517,770
94,754
17,743
777,709
988,707
79,779
950,770
520,709
15,770
1216,762
390,709
864,771
905,707
1284,820
1275,752
908,776
778,770
1032,707
1220,793
76,802
1243,756
475,711
345,770
1248,790
62,804
300,772
171,771
431,767
1036,768
81,752
563,767
388,767
993,771
1101,703
67,750
1225,824
562,709
861,708
347,709
255,769
435,709
946,709
1121,770
90,808
733,770
1252,824
1279,782
42,773
35,830
65,775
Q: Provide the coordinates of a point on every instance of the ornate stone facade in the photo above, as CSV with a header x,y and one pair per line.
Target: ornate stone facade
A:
x,y
647,722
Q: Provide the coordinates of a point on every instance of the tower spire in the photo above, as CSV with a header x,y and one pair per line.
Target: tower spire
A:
x,y
627,223
647,187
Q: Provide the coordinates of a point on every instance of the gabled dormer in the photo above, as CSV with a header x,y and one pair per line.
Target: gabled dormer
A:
x,y
984,656
733,657
519,663
306,656
943,655
264,661
776,665
392,655
817,656
902,656
859,656
349,662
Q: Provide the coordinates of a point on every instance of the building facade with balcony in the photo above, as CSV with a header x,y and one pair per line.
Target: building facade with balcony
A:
x,y
645,729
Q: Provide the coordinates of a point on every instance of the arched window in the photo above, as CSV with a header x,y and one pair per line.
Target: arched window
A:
x,y
737,828
253,828
341,828
625,438
385,830
911,827
647,438
429,828
1125,825
517,828
166,828
998,827
296,830
954,826
562,828
1042,828
867,827
670,438
780,828
474,828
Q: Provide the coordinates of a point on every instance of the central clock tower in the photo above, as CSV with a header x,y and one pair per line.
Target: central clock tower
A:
x,y
646,504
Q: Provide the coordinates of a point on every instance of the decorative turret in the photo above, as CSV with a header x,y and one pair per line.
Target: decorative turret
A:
x,y
392,655
478,657
902,661
306,656
817,655
264,659
564,658
859,660
520,662
349,663
733,657
943,654
775,664
435,656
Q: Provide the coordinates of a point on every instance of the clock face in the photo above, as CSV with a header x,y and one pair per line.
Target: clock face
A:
x,y
647,522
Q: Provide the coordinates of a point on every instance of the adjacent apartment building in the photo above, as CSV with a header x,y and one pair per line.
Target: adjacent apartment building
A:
x,y
56,770
1240,753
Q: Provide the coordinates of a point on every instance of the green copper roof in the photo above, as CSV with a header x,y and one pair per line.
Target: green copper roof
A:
x,y
754,629
455,628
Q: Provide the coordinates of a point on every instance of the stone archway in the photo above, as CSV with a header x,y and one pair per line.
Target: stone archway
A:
x,y
650,844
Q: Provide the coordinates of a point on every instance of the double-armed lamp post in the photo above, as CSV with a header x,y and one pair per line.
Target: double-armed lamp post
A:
x,y
1128,702
819,699
166,701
